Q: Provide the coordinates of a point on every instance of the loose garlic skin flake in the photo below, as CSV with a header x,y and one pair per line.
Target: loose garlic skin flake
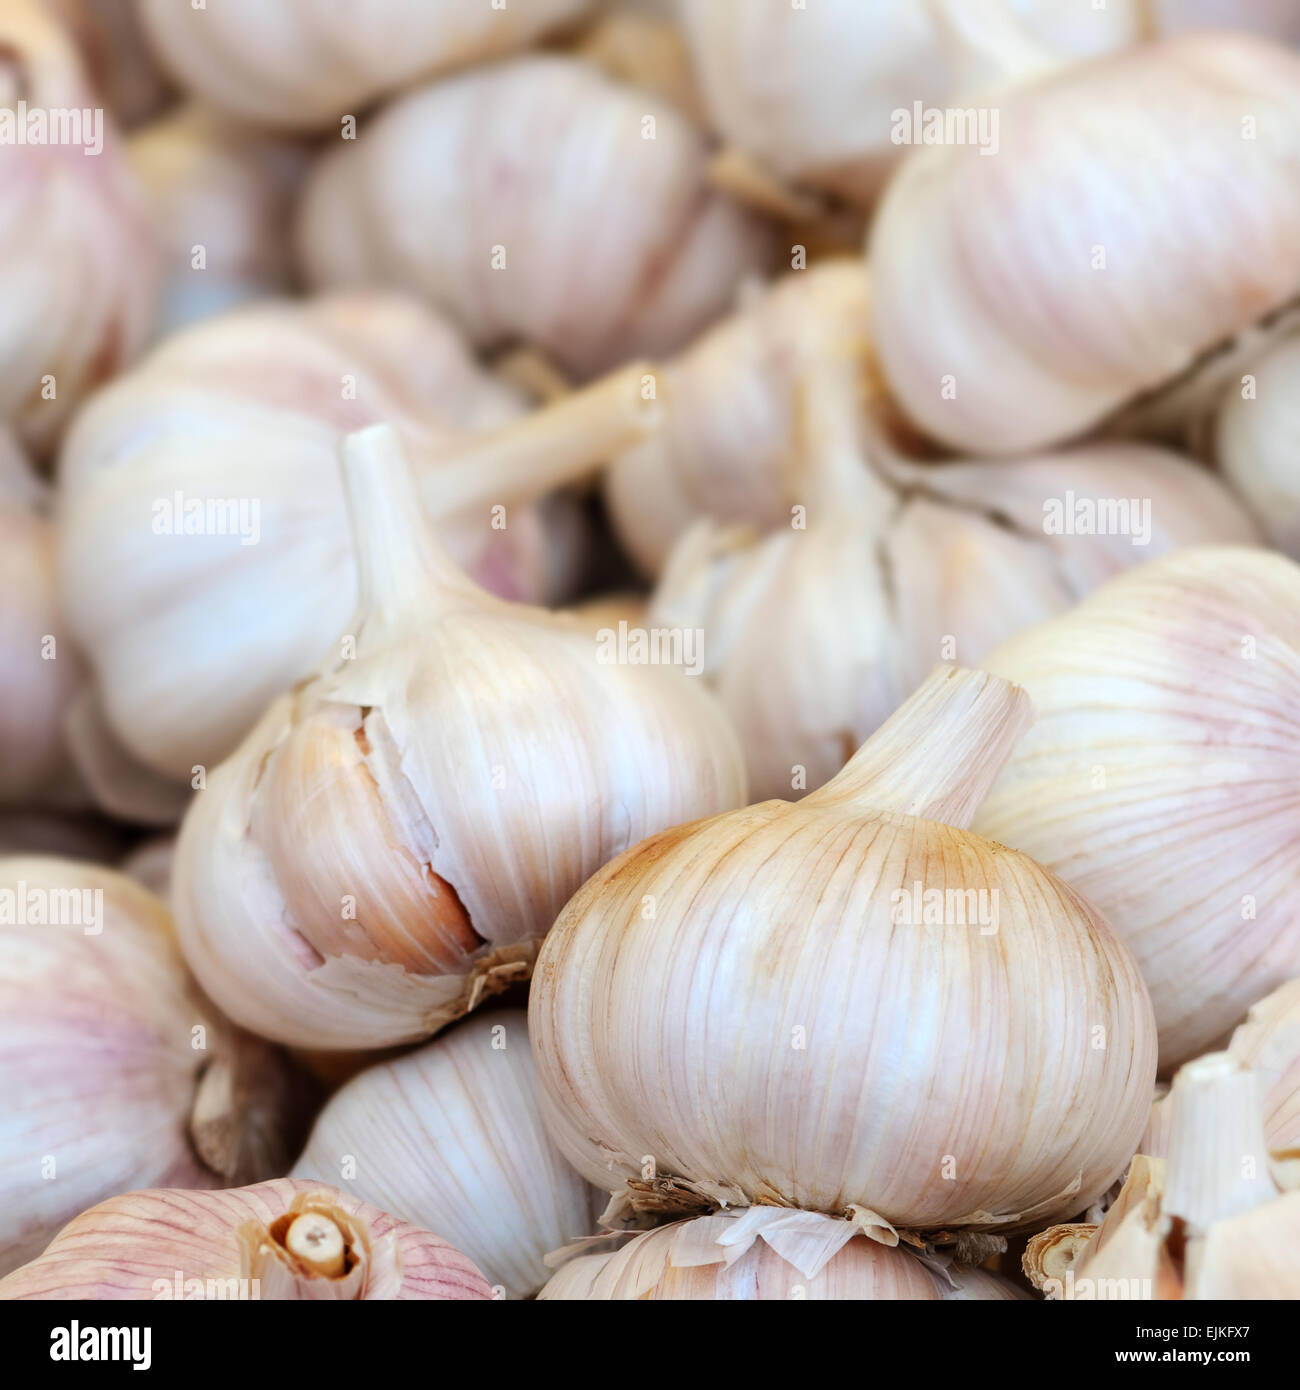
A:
x,y
1157,778
743,1010
534,200
390,842
1021,298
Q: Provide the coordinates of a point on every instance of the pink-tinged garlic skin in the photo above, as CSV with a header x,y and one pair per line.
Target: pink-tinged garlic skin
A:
x,y
995,328
301,64
132,1246
613,244
1158,778
79,260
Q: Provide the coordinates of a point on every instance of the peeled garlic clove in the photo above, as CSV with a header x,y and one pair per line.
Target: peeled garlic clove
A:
x,y
596,239
1154,781
207,479
451,1138
79,262
806,943
1004,323
169,1092
391,841
279,1241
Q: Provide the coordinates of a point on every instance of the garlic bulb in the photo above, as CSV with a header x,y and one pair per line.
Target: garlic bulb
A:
x,y
280,1240
302,64
451,1138
849,1004
118,59
1155,780
392,839
646,49
115,1071
1020,299
593,238
222,197
79,260
206,480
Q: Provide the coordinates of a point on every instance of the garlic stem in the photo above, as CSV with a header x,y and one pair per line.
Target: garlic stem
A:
x,y
937,756
315,1240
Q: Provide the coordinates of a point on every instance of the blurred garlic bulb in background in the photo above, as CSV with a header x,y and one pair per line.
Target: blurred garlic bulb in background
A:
x,y
116,1072
234,425
79,263
392,839
1157,780
222,197
117,57
1020,299
301,64
288,1241
451,1138
150,864
806,1005
1277,19
595,238
645,47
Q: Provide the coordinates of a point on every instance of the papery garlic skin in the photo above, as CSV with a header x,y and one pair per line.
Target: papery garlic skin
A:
x,y
588,238
1020,299
78,269
1270,1040
105,1048
205,1245
300,64
389,843
1155,779
730,1011
451,1138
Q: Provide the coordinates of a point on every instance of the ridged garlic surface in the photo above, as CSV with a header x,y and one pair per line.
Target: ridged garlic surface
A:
x,y
242,1244
535,200
393,838
303,64
812,1005
207,480
78,267
451,1138
115,1071
1156,780
1020,299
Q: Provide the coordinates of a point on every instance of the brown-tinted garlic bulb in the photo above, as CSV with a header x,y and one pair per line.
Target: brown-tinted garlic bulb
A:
x,y
451,1138
115,1071
850,1004
534,200
280,1241
206,482
117,57
1020,299
301,64
391,841
1156,780
222,199
79,262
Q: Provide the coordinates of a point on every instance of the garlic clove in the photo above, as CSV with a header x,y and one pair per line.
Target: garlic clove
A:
x,y
1269,1040
111,38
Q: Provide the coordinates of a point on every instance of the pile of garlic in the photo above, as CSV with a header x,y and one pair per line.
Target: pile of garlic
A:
x,y
649,650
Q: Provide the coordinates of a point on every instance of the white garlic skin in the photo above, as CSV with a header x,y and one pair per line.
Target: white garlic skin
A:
x,y
994,325
78,267
1154,779
1270,1040
613,244
186,649
731,1003
450,1138
302,65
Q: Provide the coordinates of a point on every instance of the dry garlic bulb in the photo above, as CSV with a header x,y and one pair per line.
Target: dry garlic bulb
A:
x,y
303,64
281,1241
222,199
1020,299
1156,780
392,839
204,485
451,1138
79,262
115,1071
849,1004
534,200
